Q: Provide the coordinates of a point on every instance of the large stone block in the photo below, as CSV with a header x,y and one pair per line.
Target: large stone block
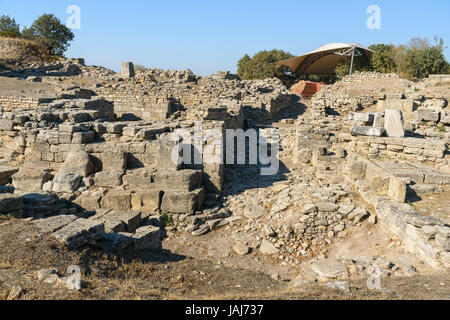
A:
x,y
127,69
184,180
78,162
393,123
169,153
428,115
367,131
66,182
119,221
179,202
80,232
397,190
53,224
114,160
146,201
148,238
108,179
30,179
88,201
117,199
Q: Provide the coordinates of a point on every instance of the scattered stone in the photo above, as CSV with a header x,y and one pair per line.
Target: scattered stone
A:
x,y
329,268
338,285
241,249
15,293
268,248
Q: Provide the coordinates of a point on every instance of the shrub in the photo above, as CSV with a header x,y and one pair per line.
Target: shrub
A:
x,y
8,27
262,66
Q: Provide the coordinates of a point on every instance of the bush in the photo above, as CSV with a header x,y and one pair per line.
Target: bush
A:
x,y
51,33
417,59
383,58
9,28
262,65
422,59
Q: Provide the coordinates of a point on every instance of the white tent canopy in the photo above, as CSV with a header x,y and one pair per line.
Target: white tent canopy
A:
x,y
324,60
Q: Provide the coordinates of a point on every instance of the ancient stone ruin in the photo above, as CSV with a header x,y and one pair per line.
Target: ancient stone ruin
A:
x,y
89,156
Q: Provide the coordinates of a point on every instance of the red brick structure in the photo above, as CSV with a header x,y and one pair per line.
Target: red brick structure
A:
x,y
306,89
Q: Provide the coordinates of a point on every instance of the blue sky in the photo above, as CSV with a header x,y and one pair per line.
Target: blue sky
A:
x,y
210,35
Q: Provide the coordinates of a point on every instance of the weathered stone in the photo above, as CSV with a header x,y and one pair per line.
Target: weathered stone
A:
x,y
241,249
78,162
393,123
148,238
146,201
117,242
329,268
367,131
327,206
184,180
179,202
66,182
442,238
253,211
108,179
53,224
339,285
428,115
268,248
29,179
358,214
80,232
114,161
397,189
117,199
127,69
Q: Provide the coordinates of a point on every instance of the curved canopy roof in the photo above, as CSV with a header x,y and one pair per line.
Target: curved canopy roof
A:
x,y
324,60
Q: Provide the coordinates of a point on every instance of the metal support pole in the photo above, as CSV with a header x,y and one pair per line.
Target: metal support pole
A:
x,y
351,63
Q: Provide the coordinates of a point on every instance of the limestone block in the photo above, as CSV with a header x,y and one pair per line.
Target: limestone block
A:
x,y
78,162
397,190
108,179
179,202
367,131
148,238
117,199
393,123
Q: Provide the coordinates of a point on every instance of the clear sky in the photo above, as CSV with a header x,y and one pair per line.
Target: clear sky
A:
x,y
210,35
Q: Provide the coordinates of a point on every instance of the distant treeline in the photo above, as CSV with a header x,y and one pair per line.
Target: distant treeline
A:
x,y
417,59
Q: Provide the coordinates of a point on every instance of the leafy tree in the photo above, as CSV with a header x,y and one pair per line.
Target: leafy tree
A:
x,y
262,66
50,32
420,59
383,58
8,27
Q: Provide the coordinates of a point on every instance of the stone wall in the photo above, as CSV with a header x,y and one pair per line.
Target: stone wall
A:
x,y
425,236
406,148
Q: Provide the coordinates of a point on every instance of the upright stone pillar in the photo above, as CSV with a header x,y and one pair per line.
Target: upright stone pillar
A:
x,y
393,123
127,69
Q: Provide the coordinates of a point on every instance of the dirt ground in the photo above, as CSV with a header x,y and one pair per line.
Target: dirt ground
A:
x,y
186,269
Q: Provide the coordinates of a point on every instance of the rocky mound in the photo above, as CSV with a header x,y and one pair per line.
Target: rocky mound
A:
x,y
20,49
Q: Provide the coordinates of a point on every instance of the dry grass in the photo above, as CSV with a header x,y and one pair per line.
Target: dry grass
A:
x,y
22,49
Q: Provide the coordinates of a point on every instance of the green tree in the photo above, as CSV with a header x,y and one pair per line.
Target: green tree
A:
x,y
51,33
420,59
262,65
383,58
8,27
